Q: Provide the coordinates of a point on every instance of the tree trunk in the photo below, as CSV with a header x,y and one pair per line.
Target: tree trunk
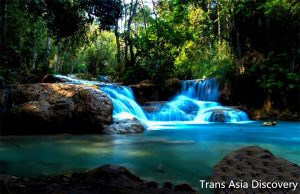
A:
x,y
57,56
34,57
144,15
219,26
125,35
157,77
4,19
118,44
238,44
128,41
62,60
132,58
48,51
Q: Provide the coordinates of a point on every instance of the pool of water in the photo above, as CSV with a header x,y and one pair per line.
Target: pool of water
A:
x,y
168,152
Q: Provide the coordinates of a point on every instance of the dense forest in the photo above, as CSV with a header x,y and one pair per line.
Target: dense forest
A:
x,y
251,46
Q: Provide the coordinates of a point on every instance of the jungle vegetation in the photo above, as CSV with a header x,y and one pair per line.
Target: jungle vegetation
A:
x,y
252,46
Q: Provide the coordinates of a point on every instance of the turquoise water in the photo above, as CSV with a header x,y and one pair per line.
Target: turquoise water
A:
x,y
175,152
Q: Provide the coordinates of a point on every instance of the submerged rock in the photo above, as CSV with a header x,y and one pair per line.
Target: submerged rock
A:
x,y
223,114
252,164
153,106
105,78
110,179
124,123
55,108
269,123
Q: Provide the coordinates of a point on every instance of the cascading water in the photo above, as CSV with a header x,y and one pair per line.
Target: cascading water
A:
x,y
121,96
195,96
197,102
204,90
123,101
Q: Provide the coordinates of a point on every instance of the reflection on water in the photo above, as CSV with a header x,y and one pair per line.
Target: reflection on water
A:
x,y
177,153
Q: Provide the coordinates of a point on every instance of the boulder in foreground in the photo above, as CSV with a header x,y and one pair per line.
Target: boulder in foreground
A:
x,y
108,179
253,164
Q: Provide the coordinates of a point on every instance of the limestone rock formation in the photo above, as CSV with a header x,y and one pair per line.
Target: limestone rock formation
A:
x,y
147,90
124,123
255,164
221,114
54,108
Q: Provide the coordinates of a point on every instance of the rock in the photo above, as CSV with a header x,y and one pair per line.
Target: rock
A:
x,y
168,185
114,172
124,123
55,108
152,184
105,78
144,91
50,78
172,82
274,114
183,187
219,115
223,114
269,123
106,179
188,105
147,90
171,87
287,115
153,106
254,163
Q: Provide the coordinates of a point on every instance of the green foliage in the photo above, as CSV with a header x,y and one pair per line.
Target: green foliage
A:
x,y
270,54
100,54
22,49
26,27
157,51
247,41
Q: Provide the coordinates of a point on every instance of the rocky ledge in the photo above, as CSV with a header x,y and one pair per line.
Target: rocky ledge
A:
x,y
256,164
147,90
53,108
108,179
125,123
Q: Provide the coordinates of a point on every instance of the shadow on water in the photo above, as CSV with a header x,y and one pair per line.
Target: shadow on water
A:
x,y
186,153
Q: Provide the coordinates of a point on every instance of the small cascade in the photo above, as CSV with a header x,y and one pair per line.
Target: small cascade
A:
x,y
123,101
203,90
197,102
181,108
121,96
195,96
222,114
72,79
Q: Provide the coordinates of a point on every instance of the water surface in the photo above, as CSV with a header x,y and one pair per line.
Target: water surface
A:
x,y
175,152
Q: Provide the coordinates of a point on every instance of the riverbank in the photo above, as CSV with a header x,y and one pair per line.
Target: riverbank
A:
x,y
110,179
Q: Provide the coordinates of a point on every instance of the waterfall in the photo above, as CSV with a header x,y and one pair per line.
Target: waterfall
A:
x,y
181,108
123,101
204,90
196,102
